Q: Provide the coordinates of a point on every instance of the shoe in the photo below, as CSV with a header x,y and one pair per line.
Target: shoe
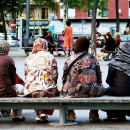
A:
x,y
115,119
93,116
18,119
71,116
66,56
59,54
43,118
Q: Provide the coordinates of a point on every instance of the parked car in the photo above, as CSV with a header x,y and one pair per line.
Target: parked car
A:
x,y
125,38
75,37
13,41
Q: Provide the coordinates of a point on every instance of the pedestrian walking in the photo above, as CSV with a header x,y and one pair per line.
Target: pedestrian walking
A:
x,y
68,41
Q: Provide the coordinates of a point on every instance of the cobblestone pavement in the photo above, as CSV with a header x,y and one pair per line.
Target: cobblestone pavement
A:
x,y
82,115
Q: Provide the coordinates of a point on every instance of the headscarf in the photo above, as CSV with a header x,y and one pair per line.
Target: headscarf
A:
x,y
122,60
39,45
4,47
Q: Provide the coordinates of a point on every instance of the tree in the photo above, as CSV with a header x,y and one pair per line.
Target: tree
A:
x,y
117,16
10,7
51,4
86,5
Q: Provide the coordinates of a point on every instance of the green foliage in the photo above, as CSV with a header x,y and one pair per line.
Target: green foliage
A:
x,y
12,6
51,4
87,5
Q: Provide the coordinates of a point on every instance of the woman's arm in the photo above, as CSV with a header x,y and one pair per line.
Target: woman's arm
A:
x,y
98,73
110,76
13,73
64,77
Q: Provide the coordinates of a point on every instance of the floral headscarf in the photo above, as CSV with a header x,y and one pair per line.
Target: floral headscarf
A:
x,y
4,47
39,45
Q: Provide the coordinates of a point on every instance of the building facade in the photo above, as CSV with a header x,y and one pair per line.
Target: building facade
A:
x,y
81,21
40,18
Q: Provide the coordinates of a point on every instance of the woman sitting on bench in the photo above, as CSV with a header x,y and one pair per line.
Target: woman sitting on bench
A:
x,y
8,77
41,76
119,80
82,76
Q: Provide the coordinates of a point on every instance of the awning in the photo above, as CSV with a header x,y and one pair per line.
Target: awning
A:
x,y
77,27
108,26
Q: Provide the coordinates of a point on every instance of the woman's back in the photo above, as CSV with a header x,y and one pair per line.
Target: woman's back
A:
x,y
84,76
40,70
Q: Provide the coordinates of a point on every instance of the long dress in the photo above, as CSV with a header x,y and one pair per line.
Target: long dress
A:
x,y
68,41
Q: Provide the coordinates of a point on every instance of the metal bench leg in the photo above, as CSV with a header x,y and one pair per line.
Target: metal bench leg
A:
x,y
63,118
63,115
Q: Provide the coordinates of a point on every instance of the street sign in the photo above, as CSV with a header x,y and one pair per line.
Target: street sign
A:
x,y
12,24
83,21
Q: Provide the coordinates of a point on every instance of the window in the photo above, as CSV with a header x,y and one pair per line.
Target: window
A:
x,y
31,13
90,13
105,13
44,13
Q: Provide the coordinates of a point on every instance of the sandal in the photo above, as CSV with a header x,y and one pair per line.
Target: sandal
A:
x,y
71,116
18,119
115,119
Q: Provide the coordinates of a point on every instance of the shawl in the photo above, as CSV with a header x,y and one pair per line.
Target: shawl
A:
x,y
4,47
122,60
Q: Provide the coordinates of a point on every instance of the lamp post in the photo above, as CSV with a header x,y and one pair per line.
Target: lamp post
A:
x,y
27,18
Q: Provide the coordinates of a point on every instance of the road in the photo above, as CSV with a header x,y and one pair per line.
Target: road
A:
x,y
82,115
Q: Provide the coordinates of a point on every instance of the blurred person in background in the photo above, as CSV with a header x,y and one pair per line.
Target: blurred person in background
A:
x,y
51,44
68,40
61,40
117,40
109,46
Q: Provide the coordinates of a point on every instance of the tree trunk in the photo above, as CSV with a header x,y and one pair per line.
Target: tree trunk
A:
x,y
3,20
117,17
4,25
64,18
93,28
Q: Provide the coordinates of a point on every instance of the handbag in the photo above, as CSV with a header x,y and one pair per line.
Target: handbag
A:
x,y
51,91
70,66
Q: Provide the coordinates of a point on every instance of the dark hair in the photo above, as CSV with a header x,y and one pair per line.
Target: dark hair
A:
x,y
82,44
68,23
108,34
45,33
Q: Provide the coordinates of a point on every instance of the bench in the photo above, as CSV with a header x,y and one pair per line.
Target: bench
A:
x,y
98,103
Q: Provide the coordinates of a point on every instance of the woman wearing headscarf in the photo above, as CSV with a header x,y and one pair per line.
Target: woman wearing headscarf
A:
x,y
83,78
118,79
41,75
8,77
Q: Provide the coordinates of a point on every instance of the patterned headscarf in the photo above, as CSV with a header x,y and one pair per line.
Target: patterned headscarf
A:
x,y
122,60
4,47
39,45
